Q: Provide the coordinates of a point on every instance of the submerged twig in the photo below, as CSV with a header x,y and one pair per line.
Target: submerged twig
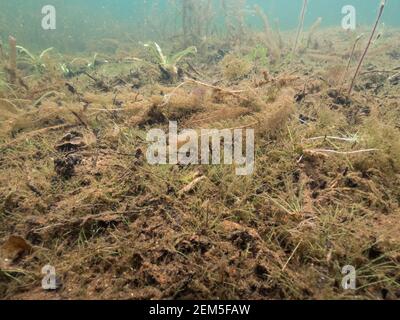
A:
x,y
340,152
351,139
381,8
291,256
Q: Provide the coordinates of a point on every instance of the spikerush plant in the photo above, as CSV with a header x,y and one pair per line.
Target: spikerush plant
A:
x,y
169,64
37,62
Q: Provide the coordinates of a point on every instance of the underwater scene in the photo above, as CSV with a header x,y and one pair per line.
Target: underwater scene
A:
x,y
200,149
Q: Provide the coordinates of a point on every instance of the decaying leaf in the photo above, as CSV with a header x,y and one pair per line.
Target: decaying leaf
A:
x,y
15,248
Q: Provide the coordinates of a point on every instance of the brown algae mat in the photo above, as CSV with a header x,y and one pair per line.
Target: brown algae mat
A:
x,y
77,193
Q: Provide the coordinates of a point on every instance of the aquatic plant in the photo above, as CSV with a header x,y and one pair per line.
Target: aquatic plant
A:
x,y
235,68
381,9
66,70
234,14
37,62
72,69
1,50
381,33
3,80
12,64
281,43
259,55
349,62
196,20
301,25
312,31
169,64
270,40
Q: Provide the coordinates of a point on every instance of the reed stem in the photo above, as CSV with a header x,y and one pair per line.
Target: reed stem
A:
x,y
278,31
1,51
343,80
301,25
381,9
313,29
12,64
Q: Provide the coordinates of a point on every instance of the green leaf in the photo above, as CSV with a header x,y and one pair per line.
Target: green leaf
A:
x,y
44,52
157,52
27,52
178,57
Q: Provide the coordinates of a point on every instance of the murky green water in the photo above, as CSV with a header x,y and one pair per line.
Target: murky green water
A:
x,y
78,22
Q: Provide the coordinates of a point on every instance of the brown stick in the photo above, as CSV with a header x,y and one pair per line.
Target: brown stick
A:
x,y
339,152
301,24
12,63
342,81
381,8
